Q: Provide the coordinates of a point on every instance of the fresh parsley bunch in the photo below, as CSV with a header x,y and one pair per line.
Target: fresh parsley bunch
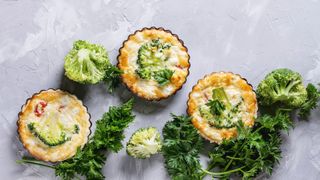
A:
x,y
180,149
90,160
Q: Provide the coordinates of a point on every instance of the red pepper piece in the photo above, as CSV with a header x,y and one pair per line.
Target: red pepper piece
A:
x,y
39,110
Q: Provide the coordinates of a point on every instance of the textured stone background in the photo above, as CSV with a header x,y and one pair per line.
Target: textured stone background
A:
x,y
249,37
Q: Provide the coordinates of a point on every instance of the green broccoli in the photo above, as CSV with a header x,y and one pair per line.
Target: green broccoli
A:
x,y
144,143
151,62
282,86
144,73
49,138
311,102
86,62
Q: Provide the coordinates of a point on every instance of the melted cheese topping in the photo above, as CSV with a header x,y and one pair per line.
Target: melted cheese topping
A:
x,y
62,109
237,90
178,62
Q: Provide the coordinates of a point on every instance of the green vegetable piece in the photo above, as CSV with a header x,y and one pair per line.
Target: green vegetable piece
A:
x,y
163,76
216,107
151,62
86,62
181,148
51,138
282,86
144,143
144,73
220,94
311,102
76,129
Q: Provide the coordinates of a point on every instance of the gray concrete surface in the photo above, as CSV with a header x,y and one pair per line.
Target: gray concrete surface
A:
x,y
249,37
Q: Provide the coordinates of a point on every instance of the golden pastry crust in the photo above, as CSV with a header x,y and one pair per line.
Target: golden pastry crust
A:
x,y
71,107
150,89
199,96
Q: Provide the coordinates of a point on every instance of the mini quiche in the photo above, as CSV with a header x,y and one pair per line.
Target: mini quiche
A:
x,y
53,124
155,63
220,101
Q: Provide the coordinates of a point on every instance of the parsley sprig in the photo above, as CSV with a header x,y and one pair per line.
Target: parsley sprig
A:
x,y
181,147
311,103
90,160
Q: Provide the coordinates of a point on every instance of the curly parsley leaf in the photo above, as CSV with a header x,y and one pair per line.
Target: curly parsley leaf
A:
x,y
216,107
311,102
163,76
181,147
108,136
112,77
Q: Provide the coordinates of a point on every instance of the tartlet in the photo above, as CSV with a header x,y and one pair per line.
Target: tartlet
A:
x,y
53,124
155,63
217,104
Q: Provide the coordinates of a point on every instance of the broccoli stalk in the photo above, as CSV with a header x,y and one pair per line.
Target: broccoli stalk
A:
x,y
144,143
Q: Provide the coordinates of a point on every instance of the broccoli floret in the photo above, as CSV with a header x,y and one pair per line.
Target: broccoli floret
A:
x,y
282,86
47,137
144,143
151,62
144,73
86,62
311,102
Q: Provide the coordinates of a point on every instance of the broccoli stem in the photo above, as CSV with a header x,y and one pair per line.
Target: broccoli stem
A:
x,y
290,85
221,95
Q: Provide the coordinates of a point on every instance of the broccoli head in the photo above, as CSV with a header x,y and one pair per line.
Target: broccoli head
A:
x,y
282,86
86,62
144,143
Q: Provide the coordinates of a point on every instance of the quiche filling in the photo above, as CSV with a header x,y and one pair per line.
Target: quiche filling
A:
x,y
52,128
222,111
153,62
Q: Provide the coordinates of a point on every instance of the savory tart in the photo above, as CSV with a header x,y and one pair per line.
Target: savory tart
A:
x,y
53,124
219,102
155,63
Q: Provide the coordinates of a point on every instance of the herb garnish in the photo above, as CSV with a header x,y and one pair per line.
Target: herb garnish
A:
x,y
180,149
216,107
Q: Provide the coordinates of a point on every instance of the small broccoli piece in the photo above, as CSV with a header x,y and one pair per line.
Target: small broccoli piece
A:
x,y
48,138
86,62
144,143
144,73
282,86
220,94
311,102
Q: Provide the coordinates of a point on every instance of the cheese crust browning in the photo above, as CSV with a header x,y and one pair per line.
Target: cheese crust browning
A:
x,y
60,108
177,61
237,90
